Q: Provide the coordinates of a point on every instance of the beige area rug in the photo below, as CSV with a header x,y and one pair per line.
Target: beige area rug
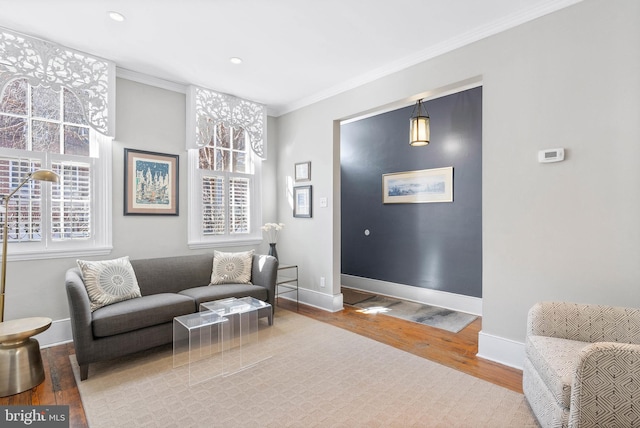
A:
x,y
318,376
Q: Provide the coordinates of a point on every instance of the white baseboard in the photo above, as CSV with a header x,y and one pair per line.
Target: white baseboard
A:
x,y
504,351
456,302
59,332
327,302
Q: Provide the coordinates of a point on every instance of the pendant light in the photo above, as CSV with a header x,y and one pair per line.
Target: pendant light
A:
x,y
420,128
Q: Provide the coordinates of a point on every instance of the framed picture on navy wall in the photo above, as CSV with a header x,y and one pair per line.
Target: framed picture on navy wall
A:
x,y
416,187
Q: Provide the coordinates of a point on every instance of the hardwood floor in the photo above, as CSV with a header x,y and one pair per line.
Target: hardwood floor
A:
x,y
59,386
455,350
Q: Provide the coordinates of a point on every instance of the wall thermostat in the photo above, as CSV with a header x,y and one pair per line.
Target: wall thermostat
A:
x,y
551,155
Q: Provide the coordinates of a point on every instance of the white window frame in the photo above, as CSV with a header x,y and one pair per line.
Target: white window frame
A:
x,y
100,242
92,80
198,240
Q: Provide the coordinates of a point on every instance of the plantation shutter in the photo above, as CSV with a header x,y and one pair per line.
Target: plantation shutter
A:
x,y
240,209
213,205
71,201
23,216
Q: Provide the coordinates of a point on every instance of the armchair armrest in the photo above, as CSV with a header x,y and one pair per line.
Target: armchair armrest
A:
x,y
584,322
606,385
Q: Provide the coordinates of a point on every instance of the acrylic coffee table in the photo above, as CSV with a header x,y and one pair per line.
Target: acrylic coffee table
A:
x,y
198,341
242,346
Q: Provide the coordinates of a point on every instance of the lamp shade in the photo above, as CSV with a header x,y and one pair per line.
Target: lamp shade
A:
x,y
419,132
45,175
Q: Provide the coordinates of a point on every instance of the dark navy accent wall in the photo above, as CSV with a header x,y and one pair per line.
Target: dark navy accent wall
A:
x,y
433,245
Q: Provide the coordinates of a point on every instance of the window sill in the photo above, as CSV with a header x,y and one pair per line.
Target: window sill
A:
x,y
57,254
196,245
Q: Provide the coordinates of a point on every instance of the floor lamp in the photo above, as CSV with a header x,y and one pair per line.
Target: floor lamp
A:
x,y
20,360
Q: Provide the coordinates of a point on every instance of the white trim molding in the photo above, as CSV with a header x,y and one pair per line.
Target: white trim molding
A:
x,y
457,302
500,350
147,79
58,333
326,302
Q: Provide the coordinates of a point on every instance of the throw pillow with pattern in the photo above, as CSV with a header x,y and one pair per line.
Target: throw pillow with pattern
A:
x,y
109,281
232,268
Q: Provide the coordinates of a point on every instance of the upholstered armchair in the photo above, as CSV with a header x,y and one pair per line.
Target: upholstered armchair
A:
x,y
582,365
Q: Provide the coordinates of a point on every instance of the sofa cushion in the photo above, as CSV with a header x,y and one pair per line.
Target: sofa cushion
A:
x,y
223,291
172,274
232,268
109,281
555,359
139,313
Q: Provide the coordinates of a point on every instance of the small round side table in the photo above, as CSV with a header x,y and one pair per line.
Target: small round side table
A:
x,y
20,360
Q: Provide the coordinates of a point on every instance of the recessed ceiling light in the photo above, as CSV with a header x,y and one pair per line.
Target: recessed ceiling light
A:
x,y
116,16
235,60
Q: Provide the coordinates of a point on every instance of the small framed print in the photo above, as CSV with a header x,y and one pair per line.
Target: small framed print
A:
x,y
150,183
302,204
303,171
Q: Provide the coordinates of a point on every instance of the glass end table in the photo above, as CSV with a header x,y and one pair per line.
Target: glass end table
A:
x,y
242,346
198,341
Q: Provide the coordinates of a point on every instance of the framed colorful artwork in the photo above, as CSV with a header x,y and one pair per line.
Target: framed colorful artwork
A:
x,y
150,183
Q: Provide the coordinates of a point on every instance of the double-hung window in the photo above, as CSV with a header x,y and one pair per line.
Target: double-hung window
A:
x,y
224,191
226,140
43,128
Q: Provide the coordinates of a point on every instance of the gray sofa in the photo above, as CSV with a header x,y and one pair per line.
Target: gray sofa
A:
x,y
170,287
582,365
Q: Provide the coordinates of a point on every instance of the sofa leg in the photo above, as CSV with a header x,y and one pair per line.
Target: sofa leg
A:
x,y
84,371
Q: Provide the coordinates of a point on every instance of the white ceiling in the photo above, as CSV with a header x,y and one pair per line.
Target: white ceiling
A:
x,y
295,52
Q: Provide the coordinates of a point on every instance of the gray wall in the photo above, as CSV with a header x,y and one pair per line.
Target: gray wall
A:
x,y
147,118
431,245
566,231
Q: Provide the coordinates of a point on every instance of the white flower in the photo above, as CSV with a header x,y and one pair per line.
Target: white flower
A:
x,y
272,230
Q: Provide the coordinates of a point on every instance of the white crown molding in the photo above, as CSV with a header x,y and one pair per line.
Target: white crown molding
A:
x,y
464,39
164,84
453,88
151,80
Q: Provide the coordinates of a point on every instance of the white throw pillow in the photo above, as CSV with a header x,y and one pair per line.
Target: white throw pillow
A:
x,y
232,268
109,281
